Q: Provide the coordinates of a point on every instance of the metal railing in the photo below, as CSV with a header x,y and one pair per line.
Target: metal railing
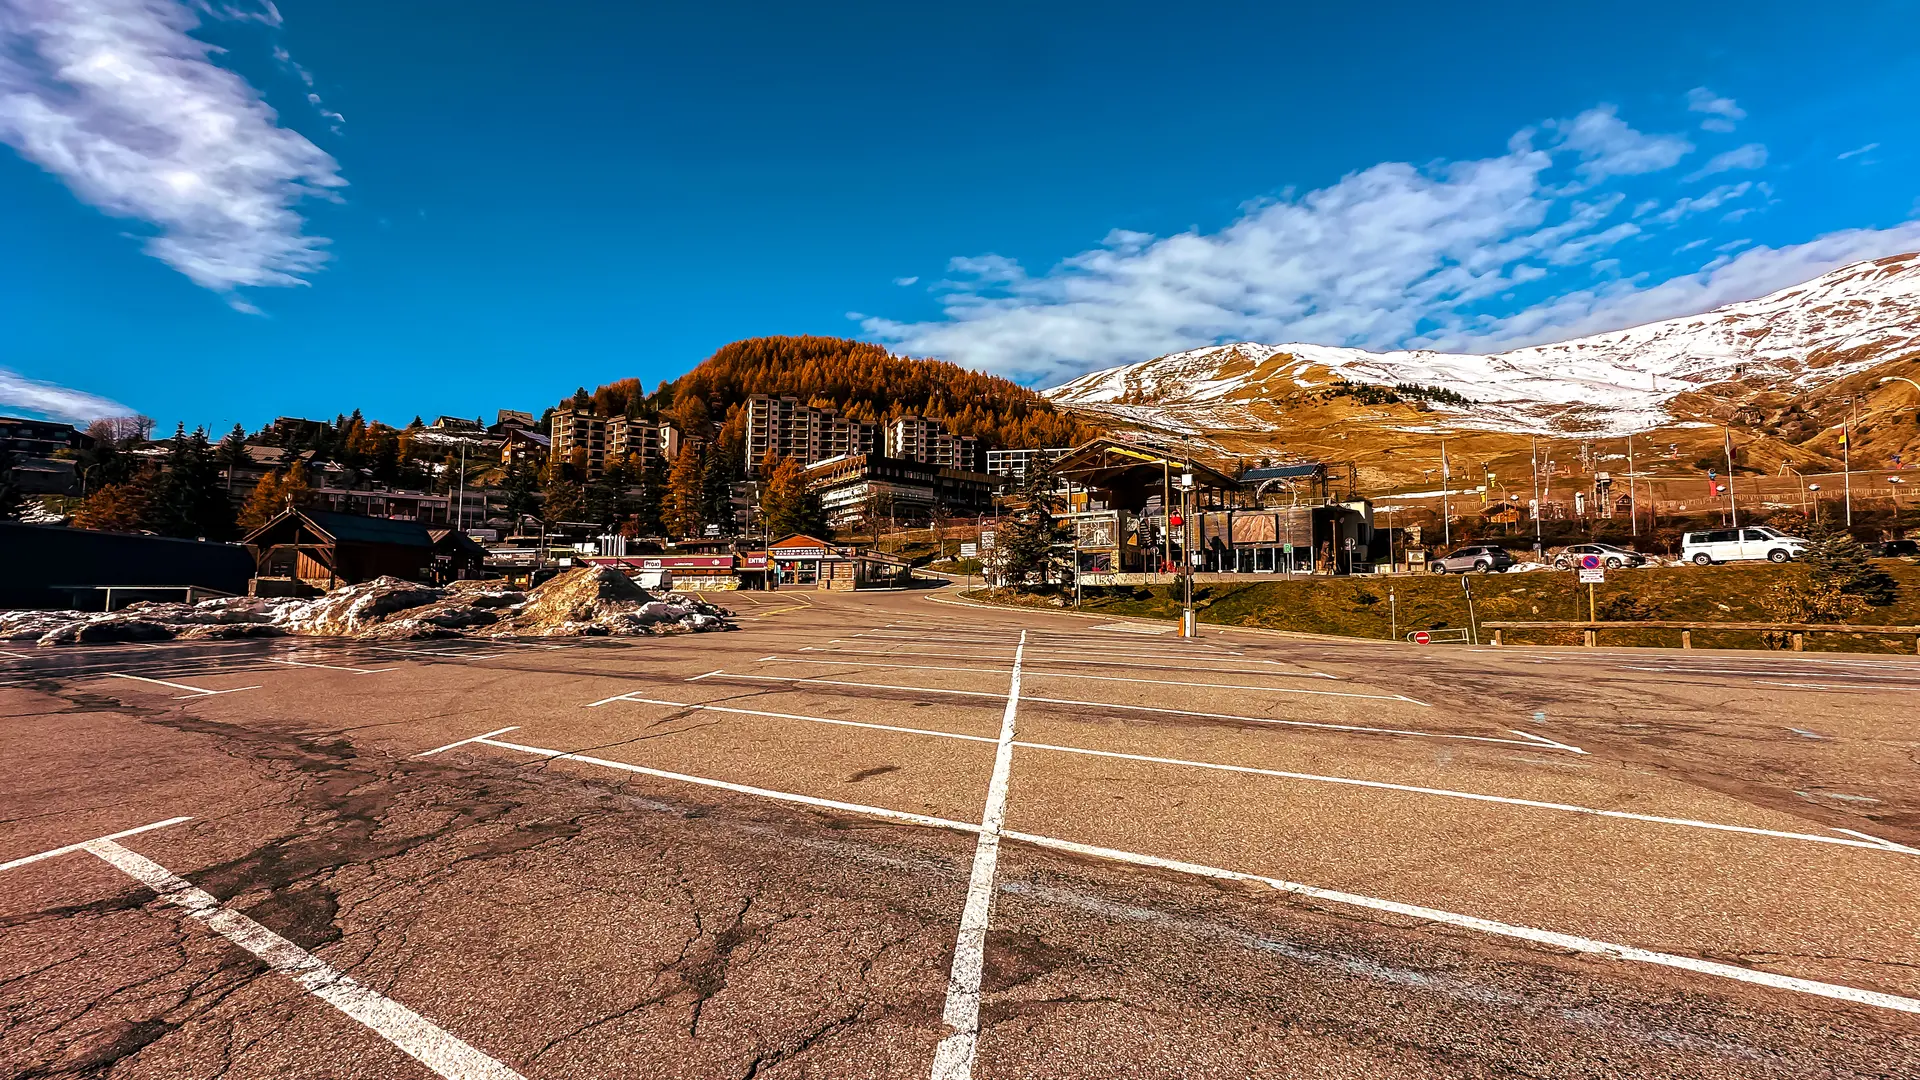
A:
x,y
192,594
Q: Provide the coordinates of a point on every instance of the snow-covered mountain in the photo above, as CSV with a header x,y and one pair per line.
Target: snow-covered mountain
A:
x,y
1796,340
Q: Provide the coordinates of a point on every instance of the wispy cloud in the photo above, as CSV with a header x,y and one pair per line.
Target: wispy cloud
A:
x,y
123,104
905,281
1392,256
1750,156
1683,206
1721,112
1609,147
1858,150
21,394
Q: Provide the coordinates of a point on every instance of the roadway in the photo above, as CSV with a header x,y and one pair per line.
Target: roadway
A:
x,y
892,835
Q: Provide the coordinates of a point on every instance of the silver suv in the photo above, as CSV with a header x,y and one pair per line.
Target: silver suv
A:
x,y
1479,558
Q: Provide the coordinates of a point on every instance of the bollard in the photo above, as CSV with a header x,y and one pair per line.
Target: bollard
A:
x,y
1686,640
1799,642
1496,637
1591,636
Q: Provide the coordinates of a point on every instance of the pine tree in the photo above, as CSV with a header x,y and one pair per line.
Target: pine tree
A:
x,y
189,500
1028,544
233,453
1838,562
520,490
565,500
264,504
120,507
13,501
681,512
785,505
653,488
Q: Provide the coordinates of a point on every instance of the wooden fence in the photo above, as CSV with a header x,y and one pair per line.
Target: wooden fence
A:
x,y
1591,630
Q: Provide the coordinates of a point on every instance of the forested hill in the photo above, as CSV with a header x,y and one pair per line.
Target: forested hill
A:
x,y
866,382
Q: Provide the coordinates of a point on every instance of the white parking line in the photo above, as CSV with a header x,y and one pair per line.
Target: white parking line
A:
x,y
177,686
447,654
953,1057
415,1035
1218,670
14,655
1098,678
1856,687
477,738
1864,841
122,834
1888,844
330,667
1533,742
1548,938
1782,674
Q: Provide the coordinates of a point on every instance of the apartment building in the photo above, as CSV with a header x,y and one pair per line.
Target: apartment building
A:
x,y
648,440
578,437
39,438
783,426
1015,464
916,438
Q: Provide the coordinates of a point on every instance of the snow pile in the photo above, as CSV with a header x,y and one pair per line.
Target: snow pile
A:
x,y
595,601
583,602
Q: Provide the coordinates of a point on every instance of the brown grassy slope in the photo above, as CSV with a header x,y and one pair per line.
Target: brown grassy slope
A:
x,y
1360,606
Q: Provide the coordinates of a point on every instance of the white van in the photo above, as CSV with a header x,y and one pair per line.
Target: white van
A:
x,y
1737,545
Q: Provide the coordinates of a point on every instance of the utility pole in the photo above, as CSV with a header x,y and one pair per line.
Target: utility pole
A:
x,y
1846,461
1446,509
1187,500
1633,500
460,509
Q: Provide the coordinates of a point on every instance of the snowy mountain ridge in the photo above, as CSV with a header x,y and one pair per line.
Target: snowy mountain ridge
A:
x,y
1798,339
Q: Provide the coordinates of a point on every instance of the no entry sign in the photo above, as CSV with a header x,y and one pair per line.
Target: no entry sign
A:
x,y
1423,638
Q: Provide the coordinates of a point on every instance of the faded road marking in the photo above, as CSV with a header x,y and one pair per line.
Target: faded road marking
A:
x,y
415,1035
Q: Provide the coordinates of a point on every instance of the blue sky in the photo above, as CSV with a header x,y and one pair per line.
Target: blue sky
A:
x,y
434,207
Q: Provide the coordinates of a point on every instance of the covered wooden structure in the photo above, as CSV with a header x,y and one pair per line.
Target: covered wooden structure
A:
x,y
322,548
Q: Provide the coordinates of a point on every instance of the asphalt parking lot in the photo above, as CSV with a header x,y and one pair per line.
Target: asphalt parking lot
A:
x,y
883,835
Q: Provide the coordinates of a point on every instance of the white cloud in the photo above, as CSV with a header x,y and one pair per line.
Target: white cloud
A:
x,y
1683,206
19,393
1727,279
905,281
1391,256
1721,111
1609,147
117,99
1364,260
1750,156
1858,150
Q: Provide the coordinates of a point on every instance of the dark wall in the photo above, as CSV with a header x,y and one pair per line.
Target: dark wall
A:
x,y
35,558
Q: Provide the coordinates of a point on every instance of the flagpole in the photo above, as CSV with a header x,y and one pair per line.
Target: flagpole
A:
x,y
1446,512
1733,507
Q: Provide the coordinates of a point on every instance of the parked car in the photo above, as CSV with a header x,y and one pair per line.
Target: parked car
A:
x,y
1741,545
1479,558
1897,549
1613,558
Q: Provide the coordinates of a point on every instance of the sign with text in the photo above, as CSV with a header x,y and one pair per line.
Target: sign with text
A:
x,y
1595,576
